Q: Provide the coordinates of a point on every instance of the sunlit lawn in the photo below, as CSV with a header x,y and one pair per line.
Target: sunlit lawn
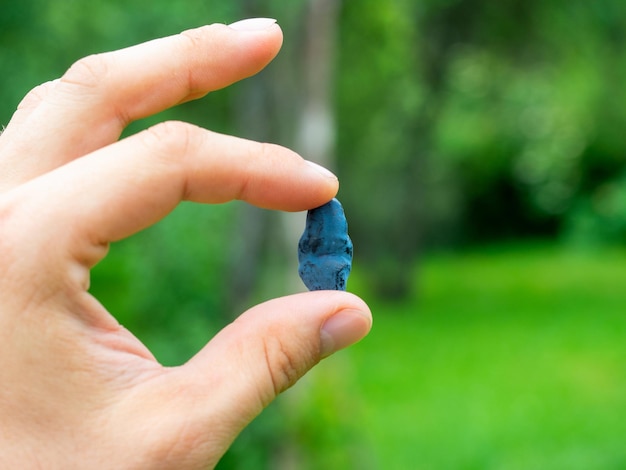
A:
x,y
511,359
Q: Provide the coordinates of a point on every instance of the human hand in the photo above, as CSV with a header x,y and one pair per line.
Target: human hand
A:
x,y
77,389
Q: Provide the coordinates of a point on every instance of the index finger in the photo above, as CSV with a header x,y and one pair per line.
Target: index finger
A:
x,y
128,186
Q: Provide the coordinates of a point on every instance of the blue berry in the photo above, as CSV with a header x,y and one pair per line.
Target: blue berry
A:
x,y
325,249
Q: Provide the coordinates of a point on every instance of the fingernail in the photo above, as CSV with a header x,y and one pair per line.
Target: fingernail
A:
x,y
343,329
320,169
253,24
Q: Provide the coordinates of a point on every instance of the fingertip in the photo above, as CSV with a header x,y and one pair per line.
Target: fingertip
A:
x,y
325,180
241,48
343,329
265,32
346,320
274,177
326,173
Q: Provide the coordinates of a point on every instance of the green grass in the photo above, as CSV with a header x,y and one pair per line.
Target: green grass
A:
x,y
508,359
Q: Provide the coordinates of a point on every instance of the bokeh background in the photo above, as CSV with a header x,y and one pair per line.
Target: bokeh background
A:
x,y
481,151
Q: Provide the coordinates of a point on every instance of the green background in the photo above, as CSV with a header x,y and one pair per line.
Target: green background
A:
x,y
480,148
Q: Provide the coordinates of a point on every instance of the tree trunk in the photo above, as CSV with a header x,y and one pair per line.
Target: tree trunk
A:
x,y
291,103
315,115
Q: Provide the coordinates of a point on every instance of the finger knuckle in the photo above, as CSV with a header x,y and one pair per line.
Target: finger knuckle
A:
x,y
36,95
171,140
268,150
191,39
88,72
197,37
189,43
283,367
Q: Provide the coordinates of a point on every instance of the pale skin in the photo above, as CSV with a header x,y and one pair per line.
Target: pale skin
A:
x,y
78,390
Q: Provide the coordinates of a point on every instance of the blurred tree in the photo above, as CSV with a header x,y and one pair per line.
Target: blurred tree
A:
x,y
383,150
290,103
465,122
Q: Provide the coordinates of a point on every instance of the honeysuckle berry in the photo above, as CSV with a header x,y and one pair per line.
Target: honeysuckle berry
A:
x,y
325,249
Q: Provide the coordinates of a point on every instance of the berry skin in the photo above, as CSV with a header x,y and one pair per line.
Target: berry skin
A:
x,y
325,249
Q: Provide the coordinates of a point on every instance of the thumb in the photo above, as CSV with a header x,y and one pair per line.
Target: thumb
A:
x,y
268,348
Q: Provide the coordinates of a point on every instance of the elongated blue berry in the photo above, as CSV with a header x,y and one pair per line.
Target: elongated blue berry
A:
x,y
325,249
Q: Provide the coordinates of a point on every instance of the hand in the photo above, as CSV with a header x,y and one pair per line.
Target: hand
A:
x,y
77,389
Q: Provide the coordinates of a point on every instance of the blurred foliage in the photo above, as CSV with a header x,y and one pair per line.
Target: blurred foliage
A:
x,y
164,283
458,122
472,121
515,361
